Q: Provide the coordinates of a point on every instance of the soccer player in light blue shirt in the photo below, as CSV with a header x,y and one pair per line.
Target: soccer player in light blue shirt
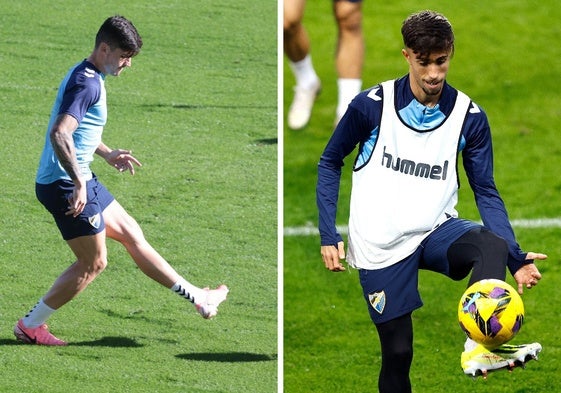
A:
x,y
81,95
83,209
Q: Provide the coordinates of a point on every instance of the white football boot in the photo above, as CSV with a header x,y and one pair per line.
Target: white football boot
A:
x,y
209,307
300,110
481,361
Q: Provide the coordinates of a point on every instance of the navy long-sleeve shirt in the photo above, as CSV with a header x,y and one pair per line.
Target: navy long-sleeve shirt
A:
x,y
360,126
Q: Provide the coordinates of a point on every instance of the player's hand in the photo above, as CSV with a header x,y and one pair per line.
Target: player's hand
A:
x,y
77,202
122,160
529,275
332,256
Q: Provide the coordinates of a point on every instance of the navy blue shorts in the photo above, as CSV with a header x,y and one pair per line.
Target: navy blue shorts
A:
x,y
55,197
393,291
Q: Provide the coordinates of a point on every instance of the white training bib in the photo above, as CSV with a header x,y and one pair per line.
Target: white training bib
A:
x,y
407,187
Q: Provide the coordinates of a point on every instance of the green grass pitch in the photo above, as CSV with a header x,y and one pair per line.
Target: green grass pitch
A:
x,y
199,110
506,60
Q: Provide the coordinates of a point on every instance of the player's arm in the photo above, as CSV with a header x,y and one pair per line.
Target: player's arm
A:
x,y
478,163
120,159
80,93
327,195
63,145
349,132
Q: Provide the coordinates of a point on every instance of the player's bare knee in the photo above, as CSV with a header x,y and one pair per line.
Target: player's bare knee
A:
x,y
349,18
291,25
133,234
93,266
128,231
100,265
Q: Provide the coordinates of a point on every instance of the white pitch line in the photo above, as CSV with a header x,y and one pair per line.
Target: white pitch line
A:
x,y
310,230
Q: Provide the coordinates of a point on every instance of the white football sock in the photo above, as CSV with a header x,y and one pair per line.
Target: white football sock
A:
x,y
304,73
348,88
188,291
37,315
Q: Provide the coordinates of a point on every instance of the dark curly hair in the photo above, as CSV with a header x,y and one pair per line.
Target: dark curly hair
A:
x,y
118,32
426,32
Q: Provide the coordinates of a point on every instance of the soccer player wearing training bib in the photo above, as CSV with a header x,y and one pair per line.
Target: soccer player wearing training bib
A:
x,y
83,209
409,133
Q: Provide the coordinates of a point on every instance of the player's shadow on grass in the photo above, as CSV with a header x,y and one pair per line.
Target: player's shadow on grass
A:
x,y
228,357
266,141
203,106
12,341
114,342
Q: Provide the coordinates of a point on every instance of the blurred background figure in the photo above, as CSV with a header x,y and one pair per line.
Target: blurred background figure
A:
x,y
349,59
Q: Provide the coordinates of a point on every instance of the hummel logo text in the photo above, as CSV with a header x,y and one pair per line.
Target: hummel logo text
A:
x,y
421,169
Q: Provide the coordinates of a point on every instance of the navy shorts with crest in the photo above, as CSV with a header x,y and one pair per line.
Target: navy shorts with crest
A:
x,y
393,291
54,197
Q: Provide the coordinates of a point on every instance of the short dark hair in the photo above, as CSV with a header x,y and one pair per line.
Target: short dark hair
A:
x,y
119,32
426,32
